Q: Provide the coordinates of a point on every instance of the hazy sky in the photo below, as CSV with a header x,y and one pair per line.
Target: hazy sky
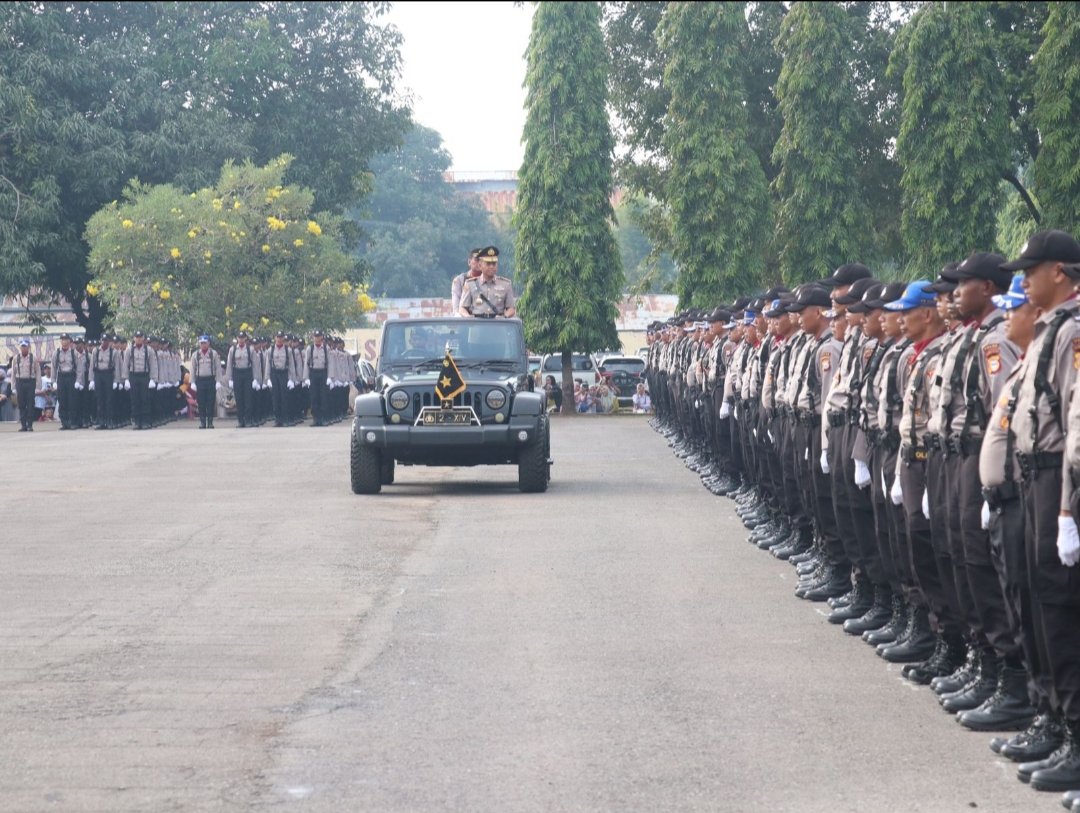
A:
x,y
464,64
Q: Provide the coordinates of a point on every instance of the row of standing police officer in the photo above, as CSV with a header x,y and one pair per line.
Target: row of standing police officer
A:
x,y
914,450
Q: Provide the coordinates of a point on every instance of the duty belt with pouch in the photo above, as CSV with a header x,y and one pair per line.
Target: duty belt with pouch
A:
x,y
890,440
914,454
837,417
997,496
933,442
1032,464
873,437
964,445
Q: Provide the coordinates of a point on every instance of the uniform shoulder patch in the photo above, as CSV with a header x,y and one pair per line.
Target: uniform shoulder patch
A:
x,y
867,352
1076,353
992,352
826,360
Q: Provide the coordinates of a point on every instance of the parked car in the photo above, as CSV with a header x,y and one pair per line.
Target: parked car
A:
x,y
625,372
582,365
534,370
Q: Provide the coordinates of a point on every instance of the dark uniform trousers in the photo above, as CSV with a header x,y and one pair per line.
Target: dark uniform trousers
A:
x,y
317,378
884,470
799,457
862,512
243,395
824,512
794,505
1010,562
206,392
841,497
278,393
66,400
920,552
140,399
879,502
953,510
103,386
1055,592
990,621
24,392
948,609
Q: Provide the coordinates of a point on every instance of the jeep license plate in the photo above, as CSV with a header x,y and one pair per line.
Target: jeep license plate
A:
x,y
451,417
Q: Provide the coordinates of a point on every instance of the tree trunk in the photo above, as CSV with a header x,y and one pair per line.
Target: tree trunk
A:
x,y
568,405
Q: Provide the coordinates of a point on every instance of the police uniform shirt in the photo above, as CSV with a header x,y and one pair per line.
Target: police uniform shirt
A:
x,y
498,292
996,357
457,285
837,398
888,412
826,352
940,392
141,360
1060,374
103,360
280,358
66,362
996,438
240,358
869,399
915,374
205,364
316,357
25,367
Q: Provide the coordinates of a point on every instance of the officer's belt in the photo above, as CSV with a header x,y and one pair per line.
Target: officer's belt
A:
x,y
933,443
997,496
890,441
484,315
1032,464
914,454
806,417
965,445
837,417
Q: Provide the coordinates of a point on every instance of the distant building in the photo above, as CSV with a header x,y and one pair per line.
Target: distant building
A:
x,y
497,189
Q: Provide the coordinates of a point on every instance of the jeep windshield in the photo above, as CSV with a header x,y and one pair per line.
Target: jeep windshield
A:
x,y
417,346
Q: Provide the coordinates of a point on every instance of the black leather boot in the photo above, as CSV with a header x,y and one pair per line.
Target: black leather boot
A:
x,y
944,660
1065,775
1007,709
1070,798
920,643
879,613
961,676
890,631
1038,741
838,583
979,690
1025,770
862,599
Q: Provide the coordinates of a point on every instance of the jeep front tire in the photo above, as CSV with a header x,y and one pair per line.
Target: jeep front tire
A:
x,y
365,468
533,474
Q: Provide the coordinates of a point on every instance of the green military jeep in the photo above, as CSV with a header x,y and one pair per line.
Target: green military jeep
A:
x,y
450,392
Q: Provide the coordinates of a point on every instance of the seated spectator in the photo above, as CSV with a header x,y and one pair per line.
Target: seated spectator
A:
x,y
585,400
606,402
554,392
642,402
44,402
7,408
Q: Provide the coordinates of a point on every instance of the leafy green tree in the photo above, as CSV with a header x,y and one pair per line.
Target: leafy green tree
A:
x,y
1057,110
823,215
717,192
420,228
566,252
648,269
247,253
761,68
953,142
95,94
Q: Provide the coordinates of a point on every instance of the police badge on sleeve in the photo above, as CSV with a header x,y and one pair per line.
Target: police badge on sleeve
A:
x,y
993,358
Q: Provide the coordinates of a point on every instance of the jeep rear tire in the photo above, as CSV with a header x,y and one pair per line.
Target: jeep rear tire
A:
x,y
533,471
386,470
365,468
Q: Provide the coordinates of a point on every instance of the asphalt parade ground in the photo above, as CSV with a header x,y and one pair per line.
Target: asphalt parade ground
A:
x,y
211,620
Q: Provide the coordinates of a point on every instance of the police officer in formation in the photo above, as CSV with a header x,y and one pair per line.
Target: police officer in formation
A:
x,y
914,451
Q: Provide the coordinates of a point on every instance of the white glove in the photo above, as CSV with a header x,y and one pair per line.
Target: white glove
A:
x,y
862,474
897,493
161,386
153,384
127,385
725,410
330,383
1068,541
231,384
217,385
806,453
116,385
824,461
92,385
269,385
255,385
193,387
984,515
292,385
78,385
926,504
768,433
884,488
307,382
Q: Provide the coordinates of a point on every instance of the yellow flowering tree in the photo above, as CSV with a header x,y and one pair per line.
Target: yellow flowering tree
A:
x,y
247,253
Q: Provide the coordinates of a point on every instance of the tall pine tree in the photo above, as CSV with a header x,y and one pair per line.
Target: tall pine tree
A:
x,y
716,189
1057,110
954,141
566,250
823,218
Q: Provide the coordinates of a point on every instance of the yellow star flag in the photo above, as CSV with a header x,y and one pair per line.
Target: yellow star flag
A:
x,y
450,382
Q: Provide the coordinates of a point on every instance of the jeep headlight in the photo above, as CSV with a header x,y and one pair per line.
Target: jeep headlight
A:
x,y
399,399
495,399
